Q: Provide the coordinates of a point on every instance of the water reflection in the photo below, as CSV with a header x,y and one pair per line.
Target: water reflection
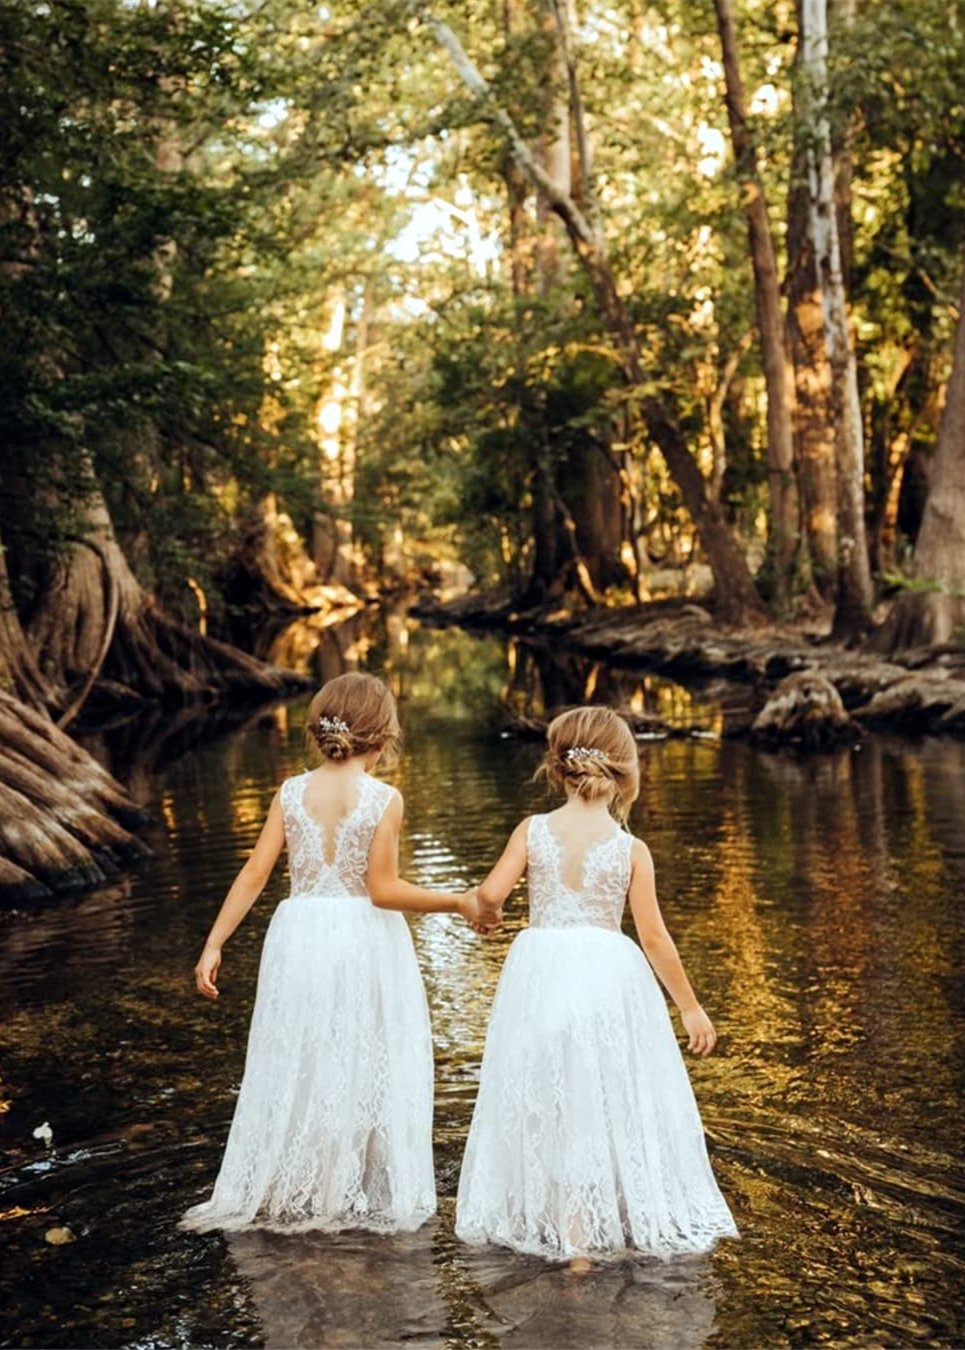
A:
x,y
815,901
627,1304
314,1290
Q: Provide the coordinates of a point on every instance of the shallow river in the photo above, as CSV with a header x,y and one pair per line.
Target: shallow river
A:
x,y
816,903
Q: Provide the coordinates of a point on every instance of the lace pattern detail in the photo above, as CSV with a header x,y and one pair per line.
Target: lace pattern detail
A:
x,y
333,1124
585,1137
311,873
606,878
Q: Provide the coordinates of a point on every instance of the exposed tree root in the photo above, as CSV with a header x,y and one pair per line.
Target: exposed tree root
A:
x,y
64,822
919,618
806,710
272,579
93,596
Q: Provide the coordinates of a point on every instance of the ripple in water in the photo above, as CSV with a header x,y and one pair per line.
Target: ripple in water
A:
x,y
815,903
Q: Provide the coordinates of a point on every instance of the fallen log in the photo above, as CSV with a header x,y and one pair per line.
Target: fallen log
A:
x,y
644,726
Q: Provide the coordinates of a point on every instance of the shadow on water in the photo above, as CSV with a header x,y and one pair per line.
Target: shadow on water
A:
x,y
815,902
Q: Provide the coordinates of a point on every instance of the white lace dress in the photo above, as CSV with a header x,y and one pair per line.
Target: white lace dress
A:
x,y
585,1137
333,1126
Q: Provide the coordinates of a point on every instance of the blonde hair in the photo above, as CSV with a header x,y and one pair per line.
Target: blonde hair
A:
x,y
353,714
591,753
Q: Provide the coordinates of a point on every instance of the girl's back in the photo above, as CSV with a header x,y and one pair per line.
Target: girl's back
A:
x,y
330,821
574,880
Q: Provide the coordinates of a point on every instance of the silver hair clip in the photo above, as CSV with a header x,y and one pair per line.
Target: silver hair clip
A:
x,y
577,752
332,724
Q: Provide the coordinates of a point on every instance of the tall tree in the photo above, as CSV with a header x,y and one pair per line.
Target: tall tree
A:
x,y
932,610
784,524
854,599
813,404
736,594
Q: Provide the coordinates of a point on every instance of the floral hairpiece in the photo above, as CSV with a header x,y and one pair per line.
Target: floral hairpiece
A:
x,y
332,724
577,752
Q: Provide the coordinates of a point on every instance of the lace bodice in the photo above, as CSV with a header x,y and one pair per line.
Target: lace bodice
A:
x,y
606,877
310,873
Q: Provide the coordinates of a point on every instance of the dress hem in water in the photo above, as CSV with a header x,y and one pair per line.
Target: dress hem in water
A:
x,y
665,1252
346,1223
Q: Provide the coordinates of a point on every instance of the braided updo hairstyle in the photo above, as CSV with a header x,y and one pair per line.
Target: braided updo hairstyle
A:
x,y
352,715
591,753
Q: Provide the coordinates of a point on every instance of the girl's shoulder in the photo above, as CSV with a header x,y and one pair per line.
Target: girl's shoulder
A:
x,y
386,796
522,834
292,782
640,855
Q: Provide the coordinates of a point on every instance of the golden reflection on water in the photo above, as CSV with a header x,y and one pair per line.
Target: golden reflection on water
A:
x,y
815,903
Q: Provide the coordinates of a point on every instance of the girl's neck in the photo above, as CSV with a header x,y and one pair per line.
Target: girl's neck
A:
x,y
345,768
596,810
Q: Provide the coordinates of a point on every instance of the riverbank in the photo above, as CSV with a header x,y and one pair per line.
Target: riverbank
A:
x,y
846,689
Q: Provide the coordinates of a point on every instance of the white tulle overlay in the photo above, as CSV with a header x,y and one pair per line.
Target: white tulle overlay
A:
x,y
333,1125
586,1136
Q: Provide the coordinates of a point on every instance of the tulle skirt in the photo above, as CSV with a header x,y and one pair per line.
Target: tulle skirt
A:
x,y
586,1137
333,1125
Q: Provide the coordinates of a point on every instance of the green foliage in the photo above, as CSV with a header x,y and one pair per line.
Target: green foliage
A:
x,y
184,189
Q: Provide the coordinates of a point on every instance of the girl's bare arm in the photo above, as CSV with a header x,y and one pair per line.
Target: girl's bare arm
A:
x,y
493,891
245,890
662,951
390,891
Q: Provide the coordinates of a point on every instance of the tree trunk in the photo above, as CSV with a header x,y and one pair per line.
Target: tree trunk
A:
x,y
933,611
784,533
813,405
853,610
19,671
591,486
842,13
332,546
737,597
149,653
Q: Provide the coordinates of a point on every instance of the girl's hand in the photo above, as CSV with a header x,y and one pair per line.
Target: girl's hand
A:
x,y
479,919
700,1029
206,971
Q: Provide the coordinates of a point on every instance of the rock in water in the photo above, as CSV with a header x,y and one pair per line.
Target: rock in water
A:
x,y
805,709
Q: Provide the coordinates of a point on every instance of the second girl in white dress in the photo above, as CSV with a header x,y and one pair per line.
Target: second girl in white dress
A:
x,y
586,1137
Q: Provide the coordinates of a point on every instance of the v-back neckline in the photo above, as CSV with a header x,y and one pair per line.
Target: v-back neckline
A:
x,y
324,831
591,849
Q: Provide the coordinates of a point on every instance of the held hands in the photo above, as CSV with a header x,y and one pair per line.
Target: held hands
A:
x,y
480,918
206,971
700,1030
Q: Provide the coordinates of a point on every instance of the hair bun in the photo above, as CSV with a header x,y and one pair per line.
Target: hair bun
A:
x,y
353,714
333,737
586,761
591,754
335,744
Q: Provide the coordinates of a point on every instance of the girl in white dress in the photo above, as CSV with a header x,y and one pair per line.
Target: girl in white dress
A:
x,y
333,1125
585,1136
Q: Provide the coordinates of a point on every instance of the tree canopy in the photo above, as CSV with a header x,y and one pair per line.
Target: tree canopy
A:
x,y
264,253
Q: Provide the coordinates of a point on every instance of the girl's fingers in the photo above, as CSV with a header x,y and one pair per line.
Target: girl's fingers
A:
x,y
205,983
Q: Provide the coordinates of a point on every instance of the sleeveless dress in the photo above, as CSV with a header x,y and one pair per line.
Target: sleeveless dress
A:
x,y
333,1126
585,1137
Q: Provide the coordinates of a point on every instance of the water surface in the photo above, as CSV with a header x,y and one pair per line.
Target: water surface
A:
x,y
816,903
